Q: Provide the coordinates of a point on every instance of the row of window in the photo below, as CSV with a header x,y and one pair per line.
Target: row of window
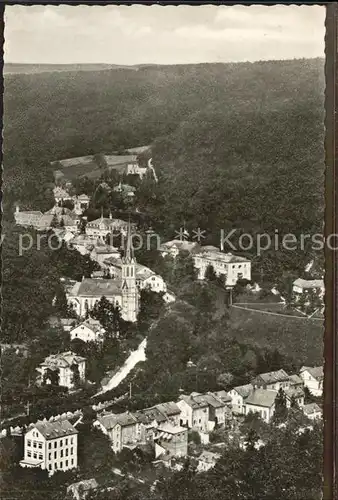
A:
x,y
61,453
36,444
70,440
50,466
35,455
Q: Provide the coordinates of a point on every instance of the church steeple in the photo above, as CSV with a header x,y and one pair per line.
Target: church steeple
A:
x,y
129,251
130,302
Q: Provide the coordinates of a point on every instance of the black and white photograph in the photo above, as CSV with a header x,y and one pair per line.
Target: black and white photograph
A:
x,y
163,298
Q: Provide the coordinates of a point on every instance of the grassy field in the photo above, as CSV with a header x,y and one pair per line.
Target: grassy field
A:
x,y
301,339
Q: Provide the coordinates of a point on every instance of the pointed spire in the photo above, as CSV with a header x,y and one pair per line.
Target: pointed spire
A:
x,y
129,255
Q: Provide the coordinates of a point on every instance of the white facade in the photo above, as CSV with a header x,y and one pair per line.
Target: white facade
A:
x,y
88,332
63,363
192,417
227,264
313,379
102,227
51,446
265,412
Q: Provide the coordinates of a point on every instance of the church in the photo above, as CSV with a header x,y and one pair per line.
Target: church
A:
x,y
122,291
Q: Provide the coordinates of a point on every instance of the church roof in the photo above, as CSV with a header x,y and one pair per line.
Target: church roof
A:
x,y
91,287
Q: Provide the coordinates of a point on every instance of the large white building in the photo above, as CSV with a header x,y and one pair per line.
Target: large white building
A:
x,y
51,446
90,330
102,227
121,291
313,378
231,266
64,364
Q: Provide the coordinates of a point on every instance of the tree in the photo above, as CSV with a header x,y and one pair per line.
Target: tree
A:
x,y
109,315
51,376
210,274
281,411
75,375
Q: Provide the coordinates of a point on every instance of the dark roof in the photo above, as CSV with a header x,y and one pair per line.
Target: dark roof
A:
x,y
124,419
295,379
193,402
311,408
244,390
91,287
272,377
223,396
148,415
261,397
211,399
52,430
169,408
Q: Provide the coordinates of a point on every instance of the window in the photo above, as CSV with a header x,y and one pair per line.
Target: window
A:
x,y
71,440
55,465
61,465
66,463
49,445
29,442
40,456
199,421
55,444
72,462
49,456
66,452
40,446
71,451
61,453
50,466
55,454
35,455
29,453
61,443
34,444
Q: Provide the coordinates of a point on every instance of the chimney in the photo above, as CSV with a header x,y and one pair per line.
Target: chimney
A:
x,y
17,209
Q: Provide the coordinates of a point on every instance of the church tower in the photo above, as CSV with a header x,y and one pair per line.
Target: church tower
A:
x,y
130,294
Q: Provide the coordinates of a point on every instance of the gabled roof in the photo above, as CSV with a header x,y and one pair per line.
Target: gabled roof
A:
x,y
272,377
210,398
301,283
223,396
52,430
316,371
148,415
243,390
168,409
85,485
311,408
261,397
92,287
93,324
295,379
63,360
125,419
296,392
180,245
194,403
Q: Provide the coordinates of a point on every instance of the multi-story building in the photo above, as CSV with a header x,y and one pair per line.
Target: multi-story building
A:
x,y
123,429
65,364
171,441
232,267
51,446
276,380
174,247
238,396
90,330
194,412
102,227
261,401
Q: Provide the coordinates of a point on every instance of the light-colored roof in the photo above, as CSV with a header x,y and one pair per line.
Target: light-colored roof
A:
x,y
52,430
93,324
273,377
113,160
181,245
92,287
63,360
83,197
296,392
194,403
105,249
107,222
311,408
261,397
223,396
169,408
217,255
210,398
301,283
244,390
124,419
316,371
169,428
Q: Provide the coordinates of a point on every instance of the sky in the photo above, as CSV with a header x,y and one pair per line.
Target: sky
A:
x,y
165,35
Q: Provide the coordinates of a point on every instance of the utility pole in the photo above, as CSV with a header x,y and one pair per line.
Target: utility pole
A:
x,y
130,390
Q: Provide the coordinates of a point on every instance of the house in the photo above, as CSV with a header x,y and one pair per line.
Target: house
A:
x,y
171,441
171,411
313,411
81,203
123,429
272,380
295,380
61,195
82,243
207,460
133,168
31,218
121,291
313,378
64,364
231,266
217,409
261,401
90,330
294,394
80,490
126,190
194,412
102,227
101,252
51,446
238,396
157,415
174,247
301,286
